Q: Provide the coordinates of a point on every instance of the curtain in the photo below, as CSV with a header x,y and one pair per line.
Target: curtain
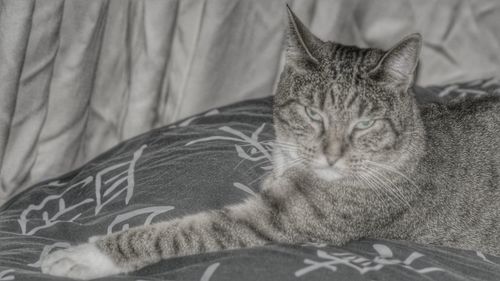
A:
x,y
77,77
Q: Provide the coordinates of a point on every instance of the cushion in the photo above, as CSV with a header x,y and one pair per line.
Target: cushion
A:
x,y
207,161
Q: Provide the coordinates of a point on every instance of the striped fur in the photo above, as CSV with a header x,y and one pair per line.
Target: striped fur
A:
x,y
355,157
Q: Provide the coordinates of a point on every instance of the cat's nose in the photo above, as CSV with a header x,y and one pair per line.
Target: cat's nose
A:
x,y
332,159
333,151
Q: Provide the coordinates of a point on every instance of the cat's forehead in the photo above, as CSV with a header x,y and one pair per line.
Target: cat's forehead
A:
x,y
339,84
327,91
343,99
345,62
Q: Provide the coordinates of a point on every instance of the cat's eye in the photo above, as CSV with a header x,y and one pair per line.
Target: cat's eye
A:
x,y
364,124
313,114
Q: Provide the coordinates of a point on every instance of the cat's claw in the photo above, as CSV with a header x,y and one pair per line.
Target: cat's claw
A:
x,y
85,261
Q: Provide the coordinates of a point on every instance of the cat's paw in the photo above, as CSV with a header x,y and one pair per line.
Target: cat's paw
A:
x,y
85,261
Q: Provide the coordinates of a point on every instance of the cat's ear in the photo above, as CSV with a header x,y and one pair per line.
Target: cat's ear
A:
x,y
301,44
398,65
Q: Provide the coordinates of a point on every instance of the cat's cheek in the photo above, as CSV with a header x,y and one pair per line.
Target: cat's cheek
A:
x,y
375,142
386,142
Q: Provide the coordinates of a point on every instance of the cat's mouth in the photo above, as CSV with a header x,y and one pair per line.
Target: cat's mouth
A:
x,y
328,173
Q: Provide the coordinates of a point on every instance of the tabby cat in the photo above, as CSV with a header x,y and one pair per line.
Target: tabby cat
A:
x,y
356,157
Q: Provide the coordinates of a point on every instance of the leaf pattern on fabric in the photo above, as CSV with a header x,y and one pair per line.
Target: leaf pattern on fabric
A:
x,y
253,141
483,257
39,216
190,120
152,211
474,89
332,261
250,148
36,214
106,192
7,275
209,272
244,188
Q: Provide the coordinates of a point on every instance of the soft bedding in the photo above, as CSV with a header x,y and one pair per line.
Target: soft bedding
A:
x,y
204,162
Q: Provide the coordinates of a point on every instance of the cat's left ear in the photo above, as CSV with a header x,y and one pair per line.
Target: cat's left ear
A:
x,y
398,65
301,44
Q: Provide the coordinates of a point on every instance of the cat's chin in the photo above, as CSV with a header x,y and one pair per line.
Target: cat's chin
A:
x,y
328,174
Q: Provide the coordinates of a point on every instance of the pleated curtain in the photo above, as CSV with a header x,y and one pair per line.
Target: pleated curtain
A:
x,y
77,77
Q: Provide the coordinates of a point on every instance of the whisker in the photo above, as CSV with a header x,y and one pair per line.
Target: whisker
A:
x,y
239,163
381,188
392,196
396,190
266,174
287,148
384,177
394,170
260,163
375,190
260,177
287,165
284,143
280,146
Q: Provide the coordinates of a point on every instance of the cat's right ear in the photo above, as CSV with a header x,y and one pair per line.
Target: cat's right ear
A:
x,y
398,65
301,44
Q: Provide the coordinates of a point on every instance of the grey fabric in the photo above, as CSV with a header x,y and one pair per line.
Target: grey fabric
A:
x,y
77,77
205,162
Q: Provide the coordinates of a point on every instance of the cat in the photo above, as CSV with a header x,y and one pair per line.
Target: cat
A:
x,y
356,157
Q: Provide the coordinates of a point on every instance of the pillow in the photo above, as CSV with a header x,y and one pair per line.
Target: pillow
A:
x,y
205,162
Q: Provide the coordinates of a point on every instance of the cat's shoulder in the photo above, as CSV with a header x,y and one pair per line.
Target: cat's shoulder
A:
x,y
487,104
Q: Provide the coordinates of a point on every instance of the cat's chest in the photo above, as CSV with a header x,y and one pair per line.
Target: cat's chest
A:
x,y
358,210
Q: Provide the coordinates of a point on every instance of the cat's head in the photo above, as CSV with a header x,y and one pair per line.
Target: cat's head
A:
x,y
341,110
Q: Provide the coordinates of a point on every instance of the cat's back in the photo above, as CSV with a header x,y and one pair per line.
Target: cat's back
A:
x,y
461,170
462,141
469,126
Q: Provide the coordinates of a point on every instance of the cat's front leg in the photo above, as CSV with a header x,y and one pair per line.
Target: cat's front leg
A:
x,y
246,225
